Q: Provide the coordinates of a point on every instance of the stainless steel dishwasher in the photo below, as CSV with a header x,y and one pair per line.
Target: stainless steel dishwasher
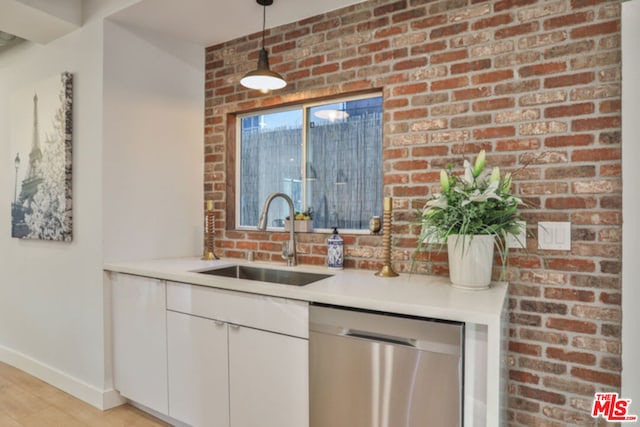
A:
x,y
375,370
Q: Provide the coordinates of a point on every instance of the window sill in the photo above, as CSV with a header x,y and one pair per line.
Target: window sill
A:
x,y
314,231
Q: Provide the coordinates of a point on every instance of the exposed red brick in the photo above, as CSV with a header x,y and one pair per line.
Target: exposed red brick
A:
x,y
495,132
297,33
466,67
596,154
492,77
410,64
477,92
568,20
373,47
596,29
570,110
570,203
571,325
524,377
611,106
571,264
451,83
429,22
390,104
356,62
596,123
472,120
542,69
406,165
493,104
518,144
325,69
517,30
408,15
430,151
510,4
545,396
389,8
568,294
493,21
569,140
450,56
569,80
534,83
425,48
390,31
283,47
415,113
611,298
449,30
571,356
373,24
410,89
599,377
530,349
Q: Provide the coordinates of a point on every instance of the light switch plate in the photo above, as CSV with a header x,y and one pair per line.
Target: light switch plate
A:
x,y
521,241
554,235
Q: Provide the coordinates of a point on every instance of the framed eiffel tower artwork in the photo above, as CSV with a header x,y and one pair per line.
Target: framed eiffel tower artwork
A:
x,y
41,141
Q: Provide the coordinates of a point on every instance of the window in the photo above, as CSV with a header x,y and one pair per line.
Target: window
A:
x,y
326,156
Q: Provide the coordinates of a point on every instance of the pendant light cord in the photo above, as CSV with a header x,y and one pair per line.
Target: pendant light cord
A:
x,y
264,22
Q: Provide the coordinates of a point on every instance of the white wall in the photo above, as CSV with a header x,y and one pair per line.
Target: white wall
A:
x,y
51,293
153,146
631,203
137,193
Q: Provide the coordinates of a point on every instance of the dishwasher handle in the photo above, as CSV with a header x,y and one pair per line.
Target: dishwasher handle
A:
x,y
389,339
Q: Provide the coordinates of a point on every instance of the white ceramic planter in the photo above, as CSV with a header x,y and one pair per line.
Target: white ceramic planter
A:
x,y
470,261
299,226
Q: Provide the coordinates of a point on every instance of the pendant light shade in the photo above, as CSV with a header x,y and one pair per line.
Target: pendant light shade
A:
x,y
262,78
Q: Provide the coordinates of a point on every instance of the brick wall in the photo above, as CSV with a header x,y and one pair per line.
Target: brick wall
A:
x,y
535,83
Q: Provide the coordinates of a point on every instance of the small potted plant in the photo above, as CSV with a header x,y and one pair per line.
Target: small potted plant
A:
x,y
303,222
474,213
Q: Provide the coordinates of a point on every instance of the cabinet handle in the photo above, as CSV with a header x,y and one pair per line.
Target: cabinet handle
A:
x,y
234,326
218,322
379,337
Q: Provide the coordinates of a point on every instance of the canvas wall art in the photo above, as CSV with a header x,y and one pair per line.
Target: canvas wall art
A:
x,y
41,142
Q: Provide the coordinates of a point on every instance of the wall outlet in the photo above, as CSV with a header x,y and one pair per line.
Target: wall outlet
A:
x,y
554,236
519,242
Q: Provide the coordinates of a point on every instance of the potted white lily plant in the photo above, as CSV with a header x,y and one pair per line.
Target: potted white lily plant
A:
x,y
474,213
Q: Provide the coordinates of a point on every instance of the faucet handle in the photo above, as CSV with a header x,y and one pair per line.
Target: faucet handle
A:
x,y
285,250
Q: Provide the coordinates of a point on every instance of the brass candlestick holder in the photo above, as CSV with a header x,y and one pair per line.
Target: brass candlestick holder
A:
x,y
387,270
209,232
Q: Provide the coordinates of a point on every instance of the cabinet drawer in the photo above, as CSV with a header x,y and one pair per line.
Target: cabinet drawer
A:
x,y
257,311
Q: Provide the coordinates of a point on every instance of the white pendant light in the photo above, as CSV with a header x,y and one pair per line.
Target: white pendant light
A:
x,y
262,78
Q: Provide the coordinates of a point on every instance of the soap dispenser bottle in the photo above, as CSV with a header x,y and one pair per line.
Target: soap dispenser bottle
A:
x,y
335,252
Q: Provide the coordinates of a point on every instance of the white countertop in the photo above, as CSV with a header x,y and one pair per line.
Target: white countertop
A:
x,y
417,295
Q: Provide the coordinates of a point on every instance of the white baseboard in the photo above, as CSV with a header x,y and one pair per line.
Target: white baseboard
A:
x,y
101,399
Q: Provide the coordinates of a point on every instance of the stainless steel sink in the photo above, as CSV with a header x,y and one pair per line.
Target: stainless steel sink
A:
x,y
283,277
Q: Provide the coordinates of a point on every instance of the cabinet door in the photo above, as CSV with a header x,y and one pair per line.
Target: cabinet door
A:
x,y
140,339
268,379
198,370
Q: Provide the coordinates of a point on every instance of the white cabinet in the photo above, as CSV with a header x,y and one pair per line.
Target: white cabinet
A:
x,y
198,370
268,379
248,352
140,339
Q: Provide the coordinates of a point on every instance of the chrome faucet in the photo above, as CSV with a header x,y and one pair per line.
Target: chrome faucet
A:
x,y
288,251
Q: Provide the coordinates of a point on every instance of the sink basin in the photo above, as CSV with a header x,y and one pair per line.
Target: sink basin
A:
x,y
283,277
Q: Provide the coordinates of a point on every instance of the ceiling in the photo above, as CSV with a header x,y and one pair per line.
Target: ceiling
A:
x,y
208,22
202,22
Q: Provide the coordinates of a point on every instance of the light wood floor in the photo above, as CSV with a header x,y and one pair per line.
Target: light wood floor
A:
x,y
25,401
